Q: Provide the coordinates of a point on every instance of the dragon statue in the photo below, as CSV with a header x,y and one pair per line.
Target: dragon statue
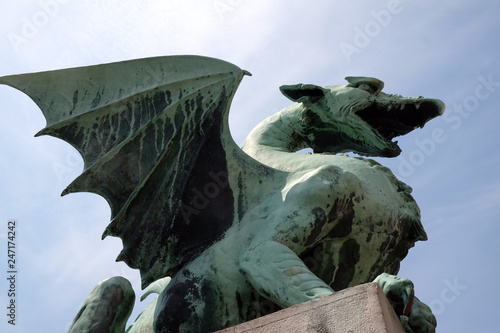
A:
x,y
226,234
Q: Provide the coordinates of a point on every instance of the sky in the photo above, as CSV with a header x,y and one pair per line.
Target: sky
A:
x,y
447,50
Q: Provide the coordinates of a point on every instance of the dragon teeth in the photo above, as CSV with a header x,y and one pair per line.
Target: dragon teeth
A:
x,y
417,106
402,107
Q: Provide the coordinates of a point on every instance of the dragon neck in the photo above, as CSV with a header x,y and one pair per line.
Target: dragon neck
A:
x,y
276,139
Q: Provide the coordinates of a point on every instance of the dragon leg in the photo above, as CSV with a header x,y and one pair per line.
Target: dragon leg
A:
x,y
415,315
279,275
107,308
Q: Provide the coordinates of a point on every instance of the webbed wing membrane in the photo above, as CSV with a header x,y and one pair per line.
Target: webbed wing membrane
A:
x,y
149,131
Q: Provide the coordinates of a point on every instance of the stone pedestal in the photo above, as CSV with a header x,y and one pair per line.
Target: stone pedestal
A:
x,y
362,308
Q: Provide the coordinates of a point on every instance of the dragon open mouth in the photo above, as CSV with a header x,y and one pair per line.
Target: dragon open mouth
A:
x,y
399,117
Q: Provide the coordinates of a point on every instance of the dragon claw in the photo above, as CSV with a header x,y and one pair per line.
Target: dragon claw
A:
x,y
415,316
408,296
399,292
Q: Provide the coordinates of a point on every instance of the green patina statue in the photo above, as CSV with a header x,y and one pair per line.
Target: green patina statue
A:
x,y
241,232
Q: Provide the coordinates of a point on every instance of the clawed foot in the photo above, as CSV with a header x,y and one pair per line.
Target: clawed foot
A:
x,y
420,320
416,317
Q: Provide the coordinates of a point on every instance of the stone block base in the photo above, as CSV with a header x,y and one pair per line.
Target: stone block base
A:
x,y
362,308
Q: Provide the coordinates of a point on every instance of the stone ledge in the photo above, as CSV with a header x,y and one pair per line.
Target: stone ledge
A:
x,y
362,308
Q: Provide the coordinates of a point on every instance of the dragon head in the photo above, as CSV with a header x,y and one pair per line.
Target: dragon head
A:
x,y
358,117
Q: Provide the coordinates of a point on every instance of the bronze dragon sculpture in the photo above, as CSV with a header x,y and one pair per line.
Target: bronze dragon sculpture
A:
x,y
233,227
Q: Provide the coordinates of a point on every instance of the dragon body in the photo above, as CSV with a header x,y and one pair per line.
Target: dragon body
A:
x,y
241,232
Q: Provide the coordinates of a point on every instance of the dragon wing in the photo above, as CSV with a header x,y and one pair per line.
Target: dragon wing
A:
x,y
155,141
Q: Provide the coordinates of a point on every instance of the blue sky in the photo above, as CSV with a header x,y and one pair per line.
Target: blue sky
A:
x,y
448,50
